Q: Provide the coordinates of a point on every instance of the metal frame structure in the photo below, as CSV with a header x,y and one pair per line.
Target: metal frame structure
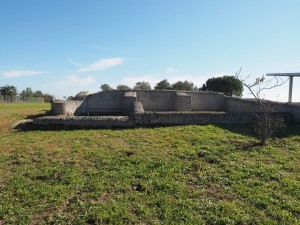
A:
x,y
291,76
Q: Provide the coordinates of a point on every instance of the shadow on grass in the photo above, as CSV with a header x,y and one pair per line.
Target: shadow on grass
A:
x,y
43,113
288,130
243,129
29,126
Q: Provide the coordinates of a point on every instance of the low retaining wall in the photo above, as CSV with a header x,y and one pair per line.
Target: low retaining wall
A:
x,y
154,119
294,109
200,118
233,104
85,121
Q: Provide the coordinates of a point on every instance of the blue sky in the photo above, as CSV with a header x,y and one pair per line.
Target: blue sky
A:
x,y
63,47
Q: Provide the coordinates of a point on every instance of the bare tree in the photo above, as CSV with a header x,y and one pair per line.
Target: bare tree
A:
x,y
265,122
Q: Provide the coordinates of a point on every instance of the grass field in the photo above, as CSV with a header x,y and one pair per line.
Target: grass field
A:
x,y
171,175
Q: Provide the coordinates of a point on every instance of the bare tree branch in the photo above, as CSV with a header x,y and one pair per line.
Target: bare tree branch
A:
x,y
265,124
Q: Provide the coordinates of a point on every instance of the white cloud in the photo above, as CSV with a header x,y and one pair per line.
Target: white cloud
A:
x,y
74,80
22,73
101,65
74,63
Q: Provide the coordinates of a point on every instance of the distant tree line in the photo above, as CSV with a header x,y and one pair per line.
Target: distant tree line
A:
x,y
10,90
162,85
229,85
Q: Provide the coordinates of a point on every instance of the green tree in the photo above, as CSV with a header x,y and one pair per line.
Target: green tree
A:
x,y
163,85
229,85
27,92
143,85
48,97
185,86
123,87
105,87
8,90
37,94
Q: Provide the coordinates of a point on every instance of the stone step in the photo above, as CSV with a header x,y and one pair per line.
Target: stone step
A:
x,y
86,121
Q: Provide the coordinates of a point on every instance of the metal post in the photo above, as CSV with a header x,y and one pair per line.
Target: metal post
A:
x,y
290,88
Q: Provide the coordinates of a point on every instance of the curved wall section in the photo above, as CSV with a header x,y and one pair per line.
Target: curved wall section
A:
x,y
69,107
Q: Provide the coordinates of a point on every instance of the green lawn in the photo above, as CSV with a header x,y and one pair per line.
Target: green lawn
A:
x,y
172,175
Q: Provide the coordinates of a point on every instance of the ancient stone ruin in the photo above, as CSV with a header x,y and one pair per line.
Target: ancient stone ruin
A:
x,y
163,108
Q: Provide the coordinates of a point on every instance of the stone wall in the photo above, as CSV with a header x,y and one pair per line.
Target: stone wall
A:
x,y
190,118
58,107
106,102
245,105
121,102
175,100
156,100
182,102
232,104
85,121
206,101
68,107
199,118
292,108
153,119
138,108
137,102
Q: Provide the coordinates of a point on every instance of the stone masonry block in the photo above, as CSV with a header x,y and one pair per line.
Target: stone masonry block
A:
x,y
182,102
